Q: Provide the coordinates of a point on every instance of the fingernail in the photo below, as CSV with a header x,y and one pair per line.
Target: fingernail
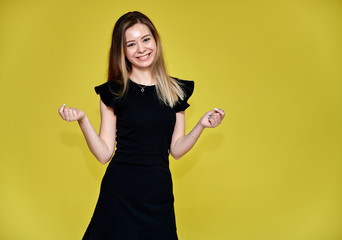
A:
x,y
209,115
215,109
64,104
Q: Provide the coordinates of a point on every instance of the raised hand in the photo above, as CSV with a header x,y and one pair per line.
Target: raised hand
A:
x,y
70,114
212,118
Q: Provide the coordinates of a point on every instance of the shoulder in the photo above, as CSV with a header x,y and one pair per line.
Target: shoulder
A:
x,y
186,83
187,86
109,87
109,93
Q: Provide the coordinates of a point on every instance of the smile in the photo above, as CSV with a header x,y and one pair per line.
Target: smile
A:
x,y
145,57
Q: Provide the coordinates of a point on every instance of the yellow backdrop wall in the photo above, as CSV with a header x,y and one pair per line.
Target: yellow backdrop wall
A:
x,y
271,171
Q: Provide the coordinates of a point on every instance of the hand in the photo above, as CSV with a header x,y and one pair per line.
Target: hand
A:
x,y
70,114
212,118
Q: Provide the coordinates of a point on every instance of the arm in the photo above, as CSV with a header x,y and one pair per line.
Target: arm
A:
x,y
181,143
102,145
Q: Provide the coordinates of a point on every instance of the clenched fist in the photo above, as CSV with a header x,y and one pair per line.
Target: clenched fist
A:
x,y
70,114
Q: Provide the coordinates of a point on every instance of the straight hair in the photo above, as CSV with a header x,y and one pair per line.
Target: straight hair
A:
x,y
168,89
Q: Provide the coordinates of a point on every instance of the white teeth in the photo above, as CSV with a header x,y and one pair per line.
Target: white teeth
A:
x,y
144,57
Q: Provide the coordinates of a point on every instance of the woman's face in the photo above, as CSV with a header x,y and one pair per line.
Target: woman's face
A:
x,y
140,46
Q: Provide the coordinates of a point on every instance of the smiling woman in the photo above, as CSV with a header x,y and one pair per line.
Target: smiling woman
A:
x,y
142,111
136,31
140,48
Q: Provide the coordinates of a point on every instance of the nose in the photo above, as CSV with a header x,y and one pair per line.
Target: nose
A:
x,y
141,47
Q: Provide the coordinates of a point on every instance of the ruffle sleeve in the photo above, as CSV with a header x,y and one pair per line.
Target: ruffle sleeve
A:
x,y
188,88
107,93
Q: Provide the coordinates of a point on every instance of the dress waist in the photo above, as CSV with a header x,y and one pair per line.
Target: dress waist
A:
x,y
141,158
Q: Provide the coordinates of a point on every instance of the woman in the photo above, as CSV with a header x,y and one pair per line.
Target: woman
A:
x,y
142,110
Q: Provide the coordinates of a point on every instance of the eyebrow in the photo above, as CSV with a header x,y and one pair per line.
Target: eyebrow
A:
x,y
141,38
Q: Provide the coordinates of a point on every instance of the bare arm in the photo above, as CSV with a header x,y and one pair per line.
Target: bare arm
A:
x,y
181,143
102,145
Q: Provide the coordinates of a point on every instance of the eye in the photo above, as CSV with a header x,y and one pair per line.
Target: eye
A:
x,y
147,39
130,45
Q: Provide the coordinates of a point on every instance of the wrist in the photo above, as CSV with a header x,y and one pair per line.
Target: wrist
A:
x,y
82,119
199,127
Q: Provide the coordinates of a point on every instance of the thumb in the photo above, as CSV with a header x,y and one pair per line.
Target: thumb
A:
x,y
210,112
61,109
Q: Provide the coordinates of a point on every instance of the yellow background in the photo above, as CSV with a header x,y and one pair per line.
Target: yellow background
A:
x,y
271,171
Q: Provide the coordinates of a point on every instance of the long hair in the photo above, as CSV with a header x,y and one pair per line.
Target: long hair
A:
x,y
119,68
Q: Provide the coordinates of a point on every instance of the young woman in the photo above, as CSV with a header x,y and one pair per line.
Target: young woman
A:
x,y
142,111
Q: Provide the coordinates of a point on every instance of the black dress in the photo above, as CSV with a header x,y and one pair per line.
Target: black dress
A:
x,y
136,196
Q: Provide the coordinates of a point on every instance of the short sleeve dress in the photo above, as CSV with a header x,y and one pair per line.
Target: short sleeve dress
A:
x,y
136,196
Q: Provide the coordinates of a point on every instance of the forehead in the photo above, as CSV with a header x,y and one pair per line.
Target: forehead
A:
x,y
137,31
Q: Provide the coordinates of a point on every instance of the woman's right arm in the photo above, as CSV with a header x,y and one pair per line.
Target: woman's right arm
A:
x,y
102,145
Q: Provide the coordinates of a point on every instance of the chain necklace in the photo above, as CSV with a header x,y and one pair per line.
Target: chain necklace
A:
x,y
141,86
142,89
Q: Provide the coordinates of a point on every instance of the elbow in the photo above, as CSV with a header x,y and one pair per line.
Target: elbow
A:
x,y
103,160
176,156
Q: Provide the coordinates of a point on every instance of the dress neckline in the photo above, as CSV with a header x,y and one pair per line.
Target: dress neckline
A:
x,y
142,85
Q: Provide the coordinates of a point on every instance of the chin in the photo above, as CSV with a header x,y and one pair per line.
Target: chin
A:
x,y
143,65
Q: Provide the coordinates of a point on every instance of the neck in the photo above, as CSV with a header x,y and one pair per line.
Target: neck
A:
x,y
142,76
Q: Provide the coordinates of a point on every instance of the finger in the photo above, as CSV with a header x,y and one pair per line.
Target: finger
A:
x,y
74,114
61,111
215,115
210,113
218,117
215,120
71,113
212,122
68,114
65,113
61,108
221,111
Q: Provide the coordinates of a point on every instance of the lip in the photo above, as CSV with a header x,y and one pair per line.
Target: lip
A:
x,y
144,57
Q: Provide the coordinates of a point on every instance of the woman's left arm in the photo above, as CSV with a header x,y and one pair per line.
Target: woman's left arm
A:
x,y
181,143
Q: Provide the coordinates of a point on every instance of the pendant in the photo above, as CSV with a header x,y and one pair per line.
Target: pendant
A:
x,y
142,90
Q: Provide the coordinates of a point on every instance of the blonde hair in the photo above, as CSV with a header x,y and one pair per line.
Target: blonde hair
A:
x,y
168,89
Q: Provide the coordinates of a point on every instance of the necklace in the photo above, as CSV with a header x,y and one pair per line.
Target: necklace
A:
x,y
142,89
141,86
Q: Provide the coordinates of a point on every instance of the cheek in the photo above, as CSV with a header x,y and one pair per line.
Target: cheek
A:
x,y
129,53
153,45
